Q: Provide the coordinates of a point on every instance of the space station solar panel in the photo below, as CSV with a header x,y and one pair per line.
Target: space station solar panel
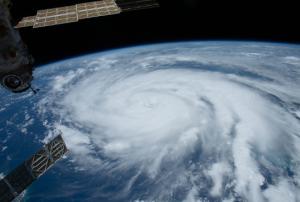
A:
x,y
54,16
73,13
26,22
54,21
6,194
56,148
21,177
40,162
130,5
68,14
97,9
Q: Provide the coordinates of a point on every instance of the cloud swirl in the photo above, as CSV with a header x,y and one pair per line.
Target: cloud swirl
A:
x,y
184,122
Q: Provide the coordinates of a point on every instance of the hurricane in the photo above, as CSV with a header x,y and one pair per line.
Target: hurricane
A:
x,y
182,122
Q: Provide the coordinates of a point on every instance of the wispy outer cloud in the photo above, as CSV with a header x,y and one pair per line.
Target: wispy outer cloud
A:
x,y
175,129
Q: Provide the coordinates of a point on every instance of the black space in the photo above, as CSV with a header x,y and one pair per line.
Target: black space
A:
x,y
175,20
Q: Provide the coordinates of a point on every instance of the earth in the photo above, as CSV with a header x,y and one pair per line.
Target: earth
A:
x,y
186,121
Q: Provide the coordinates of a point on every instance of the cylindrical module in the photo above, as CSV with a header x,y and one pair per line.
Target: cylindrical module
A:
x,y
16,64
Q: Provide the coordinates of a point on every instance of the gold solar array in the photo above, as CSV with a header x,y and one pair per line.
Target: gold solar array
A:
x,y
68,14
27,21
97,8
55,16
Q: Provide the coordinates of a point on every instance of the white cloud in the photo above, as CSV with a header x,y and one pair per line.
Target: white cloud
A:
x,y
60,81
293,60
283,191
117,119
217,172
3,148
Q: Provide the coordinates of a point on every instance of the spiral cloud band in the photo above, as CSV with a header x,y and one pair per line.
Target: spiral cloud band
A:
x,y
184,122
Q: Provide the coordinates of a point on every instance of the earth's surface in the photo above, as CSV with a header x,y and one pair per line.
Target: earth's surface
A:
x,y
194,121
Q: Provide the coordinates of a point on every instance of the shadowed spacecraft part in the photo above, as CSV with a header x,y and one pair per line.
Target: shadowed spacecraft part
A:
x,y
30,170
16,64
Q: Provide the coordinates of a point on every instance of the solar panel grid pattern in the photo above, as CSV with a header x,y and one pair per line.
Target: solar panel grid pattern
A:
x,y
26,22
56,16
97,8
68,14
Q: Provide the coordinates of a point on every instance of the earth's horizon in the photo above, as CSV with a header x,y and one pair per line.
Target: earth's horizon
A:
x,y
192,121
